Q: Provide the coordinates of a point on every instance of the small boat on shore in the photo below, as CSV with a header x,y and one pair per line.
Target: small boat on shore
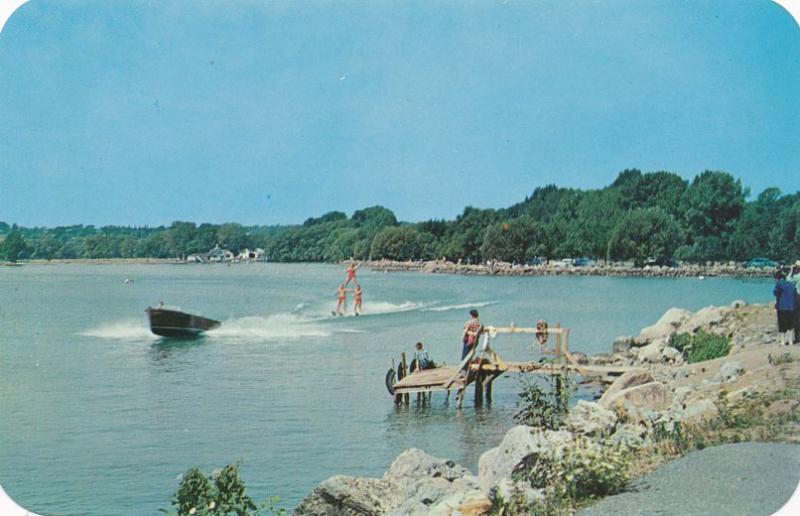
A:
x,y
174,323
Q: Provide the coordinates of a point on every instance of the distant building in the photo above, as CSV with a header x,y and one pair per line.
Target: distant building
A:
x,y
215,255
256,255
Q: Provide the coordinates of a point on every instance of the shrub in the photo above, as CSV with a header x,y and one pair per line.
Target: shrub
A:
x,y
537,408
701,346
197,495
580,470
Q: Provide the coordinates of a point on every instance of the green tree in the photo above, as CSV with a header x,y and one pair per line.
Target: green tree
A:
x,y
713,203
396,243
14,247
643,234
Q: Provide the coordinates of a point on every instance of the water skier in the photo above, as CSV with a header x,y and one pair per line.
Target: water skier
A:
x,y
351,273
358,294
341,296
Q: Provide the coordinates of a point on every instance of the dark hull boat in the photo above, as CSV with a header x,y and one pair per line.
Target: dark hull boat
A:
x,y
173,323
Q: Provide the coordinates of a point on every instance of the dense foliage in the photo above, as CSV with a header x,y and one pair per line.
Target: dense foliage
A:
x,y
639,217
701,346
221,494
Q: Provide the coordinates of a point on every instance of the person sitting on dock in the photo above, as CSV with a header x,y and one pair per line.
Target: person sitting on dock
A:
x,y
341,296
472,330
421,358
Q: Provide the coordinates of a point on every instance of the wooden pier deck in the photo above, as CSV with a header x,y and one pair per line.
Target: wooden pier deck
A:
x,y
429,380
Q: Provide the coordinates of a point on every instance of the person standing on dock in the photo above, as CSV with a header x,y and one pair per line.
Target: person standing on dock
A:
x,y
351,273
472,330
341,296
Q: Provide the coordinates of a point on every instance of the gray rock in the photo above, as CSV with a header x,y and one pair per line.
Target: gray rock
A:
x,y
700,411
508,489
675,317
635,403
671,354
414,465
518,443
681,374
632,436
622,344
660,330
351,496
739,303
627,380
652,352
426,494
589,418
704,318
729,371
473,502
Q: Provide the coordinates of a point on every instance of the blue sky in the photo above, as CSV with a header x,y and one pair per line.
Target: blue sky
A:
x,y
146,112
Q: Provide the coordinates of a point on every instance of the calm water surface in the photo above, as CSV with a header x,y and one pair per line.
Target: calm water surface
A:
x,y
98,416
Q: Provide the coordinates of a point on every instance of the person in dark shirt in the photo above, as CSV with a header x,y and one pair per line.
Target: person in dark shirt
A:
x,y
786,300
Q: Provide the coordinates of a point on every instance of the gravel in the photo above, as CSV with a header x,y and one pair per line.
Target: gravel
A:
x,y
744,478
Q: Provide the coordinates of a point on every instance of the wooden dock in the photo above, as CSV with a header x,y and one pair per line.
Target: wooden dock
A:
x,y
482,371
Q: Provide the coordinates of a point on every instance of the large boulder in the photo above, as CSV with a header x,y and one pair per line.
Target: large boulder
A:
x,y
414,465
628,379
351,496
652,352
426,494
705,318
674,317
660,330
700,411
519,443
590,418
635,403
468,503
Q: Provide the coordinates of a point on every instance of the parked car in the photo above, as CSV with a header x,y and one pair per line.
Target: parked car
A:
x,y
583,262
760,262
535,261
662,262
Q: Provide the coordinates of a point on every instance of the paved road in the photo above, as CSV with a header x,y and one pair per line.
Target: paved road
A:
x,y
750,479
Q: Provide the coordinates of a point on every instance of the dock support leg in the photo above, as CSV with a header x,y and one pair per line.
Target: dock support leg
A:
x,y
488,388
479,389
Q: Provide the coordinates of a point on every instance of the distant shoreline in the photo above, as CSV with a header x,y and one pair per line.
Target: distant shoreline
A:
x,y
489,269
552,269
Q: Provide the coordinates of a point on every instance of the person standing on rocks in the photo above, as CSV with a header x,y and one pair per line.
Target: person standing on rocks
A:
x,y
786,295
794,277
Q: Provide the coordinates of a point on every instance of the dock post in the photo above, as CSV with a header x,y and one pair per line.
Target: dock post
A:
x,y
405,371
479,388
488,389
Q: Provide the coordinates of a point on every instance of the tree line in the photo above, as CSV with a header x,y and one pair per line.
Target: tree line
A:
x,y
640,216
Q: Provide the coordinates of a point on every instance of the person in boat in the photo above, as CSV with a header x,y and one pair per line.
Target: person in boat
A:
x,y
472,330
341,296
358,298
421,358
351,273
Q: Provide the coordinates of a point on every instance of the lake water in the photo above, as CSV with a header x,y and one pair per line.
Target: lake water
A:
x,y
99,416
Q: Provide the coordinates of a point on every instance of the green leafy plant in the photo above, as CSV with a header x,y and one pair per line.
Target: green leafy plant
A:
x,y
223,493
701,346
580,470
542,409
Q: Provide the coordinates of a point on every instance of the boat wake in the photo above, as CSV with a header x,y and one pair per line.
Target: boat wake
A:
x,y
462,306
125,329
281,326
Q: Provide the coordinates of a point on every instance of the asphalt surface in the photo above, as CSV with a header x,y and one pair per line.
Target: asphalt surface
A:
x,y
745,478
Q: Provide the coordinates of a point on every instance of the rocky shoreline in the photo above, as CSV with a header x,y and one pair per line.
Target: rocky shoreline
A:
x,y
641,411
727,269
